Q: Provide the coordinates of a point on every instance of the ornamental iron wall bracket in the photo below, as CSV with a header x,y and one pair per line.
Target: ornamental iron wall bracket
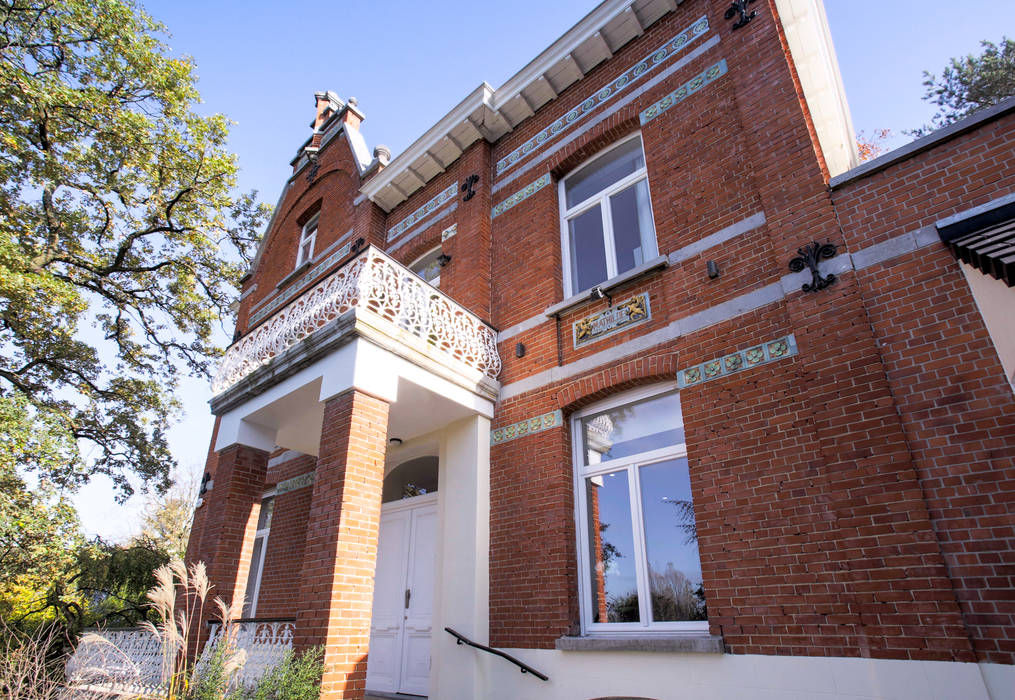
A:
x,y
739,7
467,186
808,258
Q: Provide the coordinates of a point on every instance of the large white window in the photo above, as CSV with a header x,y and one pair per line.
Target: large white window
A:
x,y
257,557
308,236
638,542
606,217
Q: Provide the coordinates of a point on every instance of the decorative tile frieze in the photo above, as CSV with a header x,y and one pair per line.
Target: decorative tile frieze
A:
x,y
526,427
520,195
449,232
738,361
692,86
424,211
294,287
629,77
618,317
294,484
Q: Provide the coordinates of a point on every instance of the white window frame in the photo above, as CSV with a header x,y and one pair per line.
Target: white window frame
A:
x,y
630,464
436,281
307,234
602,197
261,534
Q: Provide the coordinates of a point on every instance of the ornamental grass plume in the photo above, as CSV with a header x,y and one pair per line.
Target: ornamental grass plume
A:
x,y
178,600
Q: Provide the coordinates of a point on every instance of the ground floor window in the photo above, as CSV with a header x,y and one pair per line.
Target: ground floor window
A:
x,y
638,541
257,557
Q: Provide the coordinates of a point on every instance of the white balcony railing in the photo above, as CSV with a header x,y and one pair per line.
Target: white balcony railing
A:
x,y
374,283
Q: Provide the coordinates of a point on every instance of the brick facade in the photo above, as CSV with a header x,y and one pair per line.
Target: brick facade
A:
x,y
852,500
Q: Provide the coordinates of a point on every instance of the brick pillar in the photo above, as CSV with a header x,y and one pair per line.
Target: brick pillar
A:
x,y
227,526
336,591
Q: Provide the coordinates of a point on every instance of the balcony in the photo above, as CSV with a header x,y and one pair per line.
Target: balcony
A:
x,y
380,299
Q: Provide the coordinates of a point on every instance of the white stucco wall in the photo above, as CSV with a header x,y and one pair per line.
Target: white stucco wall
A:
x,y
667,676
996,301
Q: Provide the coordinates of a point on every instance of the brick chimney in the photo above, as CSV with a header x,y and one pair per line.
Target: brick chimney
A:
x,y
328,103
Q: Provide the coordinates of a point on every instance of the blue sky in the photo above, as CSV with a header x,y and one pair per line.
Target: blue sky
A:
x,y
408,63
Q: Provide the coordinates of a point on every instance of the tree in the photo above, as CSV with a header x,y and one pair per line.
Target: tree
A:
x,y
870,147
971,83
166,518
121,242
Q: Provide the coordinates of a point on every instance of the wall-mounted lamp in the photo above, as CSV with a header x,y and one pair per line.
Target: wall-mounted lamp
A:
x,y
443,259
598,293
713,269
395,441
519,349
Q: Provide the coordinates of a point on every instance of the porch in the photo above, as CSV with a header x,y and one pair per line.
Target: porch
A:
x,y
367,370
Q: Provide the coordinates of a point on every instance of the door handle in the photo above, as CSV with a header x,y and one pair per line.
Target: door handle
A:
x,y
408,597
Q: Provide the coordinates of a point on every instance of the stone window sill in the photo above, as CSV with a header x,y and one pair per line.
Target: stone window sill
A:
x,y
304,266
562,306
684,643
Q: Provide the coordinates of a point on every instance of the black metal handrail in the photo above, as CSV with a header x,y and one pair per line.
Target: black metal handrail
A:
x,y
523,667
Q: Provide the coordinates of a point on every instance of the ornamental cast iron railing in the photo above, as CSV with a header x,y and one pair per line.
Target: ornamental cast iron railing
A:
x,y
374,283
130,661
264,641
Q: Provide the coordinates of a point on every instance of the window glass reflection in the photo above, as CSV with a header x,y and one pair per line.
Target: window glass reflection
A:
x,y
637,427
611,549
671,542
612,166
632,221
264,518
588,251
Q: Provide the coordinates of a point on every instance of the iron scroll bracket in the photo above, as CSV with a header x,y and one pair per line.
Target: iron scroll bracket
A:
x,y
808,258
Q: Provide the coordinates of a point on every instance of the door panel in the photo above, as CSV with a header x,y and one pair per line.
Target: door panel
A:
x,y
384,660
400,626
419,614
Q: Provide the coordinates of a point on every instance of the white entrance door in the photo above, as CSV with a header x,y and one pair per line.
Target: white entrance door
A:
x,y
400,627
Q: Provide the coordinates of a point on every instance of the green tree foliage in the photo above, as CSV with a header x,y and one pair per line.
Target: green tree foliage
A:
x,y
39,529
971,83
120,239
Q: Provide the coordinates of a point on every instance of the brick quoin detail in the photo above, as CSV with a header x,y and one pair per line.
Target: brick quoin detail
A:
x,y
340,554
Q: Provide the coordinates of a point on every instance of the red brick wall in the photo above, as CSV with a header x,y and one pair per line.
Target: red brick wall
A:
x,y
280,579
956,409
337,576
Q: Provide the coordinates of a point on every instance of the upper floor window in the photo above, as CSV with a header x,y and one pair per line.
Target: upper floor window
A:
x,y
606,217
638,542
429,267
307,238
